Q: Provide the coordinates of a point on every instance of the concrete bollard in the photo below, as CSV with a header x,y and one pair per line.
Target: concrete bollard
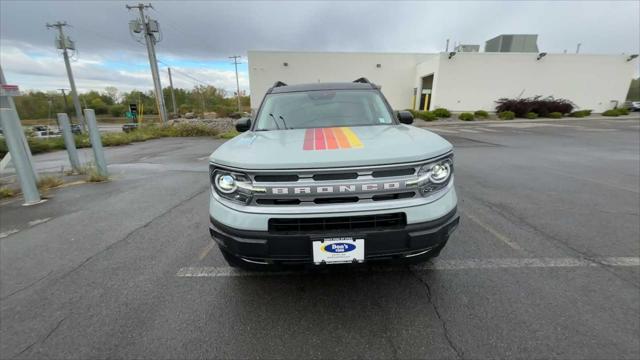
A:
x,y
96,142
69,141
13,134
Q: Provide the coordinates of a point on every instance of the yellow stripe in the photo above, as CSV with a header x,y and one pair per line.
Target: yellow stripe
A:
x,y
352,137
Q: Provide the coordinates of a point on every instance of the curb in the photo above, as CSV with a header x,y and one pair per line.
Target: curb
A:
x,y
543,120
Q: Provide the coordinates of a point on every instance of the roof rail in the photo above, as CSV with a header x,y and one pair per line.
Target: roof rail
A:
x,y
363,80
278,84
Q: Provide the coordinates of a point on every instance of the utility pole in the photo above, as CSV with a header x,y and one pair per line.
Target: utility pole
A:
x,y
578,48
447,47
64,43
173,96
235,62
66,104
148,27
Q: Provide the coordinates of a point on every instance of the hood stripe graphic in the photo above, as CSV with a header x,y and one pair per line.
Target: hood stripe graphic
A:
x,y
343,142
308,140
330,139
319,139
353,138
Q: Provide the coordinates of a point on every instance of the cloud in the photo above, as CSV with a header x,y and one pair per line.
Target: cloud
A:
x,y
198,36
46,71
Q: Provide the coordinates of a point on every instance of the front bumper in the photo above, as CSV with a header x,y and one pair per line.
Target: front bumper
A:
x,y
267,247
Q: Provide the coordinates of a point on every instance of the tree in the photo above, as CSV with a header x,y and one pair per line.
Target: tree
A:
x,y
98,106
112,93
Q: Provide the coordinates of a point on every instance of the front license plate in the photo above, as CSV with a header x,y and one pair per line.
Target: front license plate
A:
x,y
338,250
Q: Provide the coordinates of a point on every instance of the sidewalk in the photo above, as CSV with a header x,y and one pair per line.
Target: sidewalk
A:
x,y
456,121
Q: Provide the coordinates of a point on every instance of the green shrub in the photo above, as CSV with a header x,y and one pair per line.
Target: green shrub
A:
x,y
507,115
144,133
466,116
622,111
424,115
531,115
442,113
229,134
481,114
115,139
117,110
555,115
612,112
580,113
5,192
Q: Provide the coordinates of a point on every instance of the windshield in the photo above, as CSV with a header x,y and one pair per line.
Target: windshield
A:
x,y
317,109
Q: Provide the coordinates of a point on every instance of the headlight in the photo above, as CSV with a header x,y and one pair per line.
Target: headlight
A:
x,y
433,176
439,173
234,186
225,183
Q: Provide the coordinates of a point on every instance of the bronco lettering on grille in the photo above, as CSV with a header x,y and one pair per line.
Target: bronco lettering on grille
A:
x,y
336,189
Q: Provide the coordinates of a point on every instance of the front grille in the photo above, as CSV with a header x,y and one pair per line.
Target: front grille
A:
x,y
343,223
276,178
394,172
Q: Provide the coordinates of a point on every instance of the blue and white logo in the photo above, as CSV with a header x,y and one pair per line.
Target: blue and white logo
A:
x,y
339,248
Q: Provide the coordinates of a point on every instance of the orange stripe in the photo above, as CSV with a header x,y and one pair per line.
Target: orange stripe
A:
x,y
330,138
343,142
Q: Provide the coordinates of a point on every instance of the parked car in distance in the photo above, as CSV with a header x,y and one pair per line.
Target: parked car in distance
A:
x,y
129,127
76,129
633,105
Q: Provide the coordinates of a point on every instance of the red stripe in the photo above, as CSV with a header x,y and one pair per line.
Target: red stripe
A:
x,y
320,145
308,140
331,139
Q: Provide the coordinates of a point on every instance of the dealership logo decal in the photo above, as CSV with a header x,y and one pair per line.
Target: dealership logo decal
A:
x,y
338,248
331,139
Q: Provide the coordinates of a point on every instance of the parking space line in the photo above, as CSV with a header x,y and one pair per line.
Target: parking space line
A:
x,y
495,233
7,233
205,251
438,265
38,221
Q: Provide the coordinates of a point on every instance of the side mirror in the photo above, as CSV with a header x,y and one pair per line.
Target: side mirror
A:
x,y
243,124
405,117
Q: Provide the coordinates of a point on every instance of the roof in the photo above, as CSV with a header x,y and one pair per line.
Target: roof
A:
x,y
321,86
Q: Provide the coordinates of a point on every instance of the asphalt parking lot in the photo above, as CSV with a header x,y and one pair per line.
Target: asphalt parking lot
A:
x,y
545,263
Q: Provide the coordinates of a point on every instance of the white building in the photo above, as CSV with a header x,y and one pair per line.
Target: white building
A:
x,y
463,81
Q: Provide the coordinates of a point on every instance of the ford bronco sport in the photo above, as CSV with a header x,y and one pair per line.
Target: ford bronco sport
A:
x,y
329,173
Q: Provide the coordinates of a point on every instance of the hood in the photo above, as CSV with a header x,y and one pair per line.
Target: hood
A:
x,y
330,147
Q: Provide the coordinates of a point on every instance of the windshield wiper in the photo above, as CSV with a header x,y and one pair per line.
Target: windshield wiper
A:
x,y
284,122
274,120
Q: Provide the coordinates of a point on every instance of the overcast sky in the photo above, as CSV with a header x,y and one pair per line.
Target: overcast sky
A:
x,y
198,37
